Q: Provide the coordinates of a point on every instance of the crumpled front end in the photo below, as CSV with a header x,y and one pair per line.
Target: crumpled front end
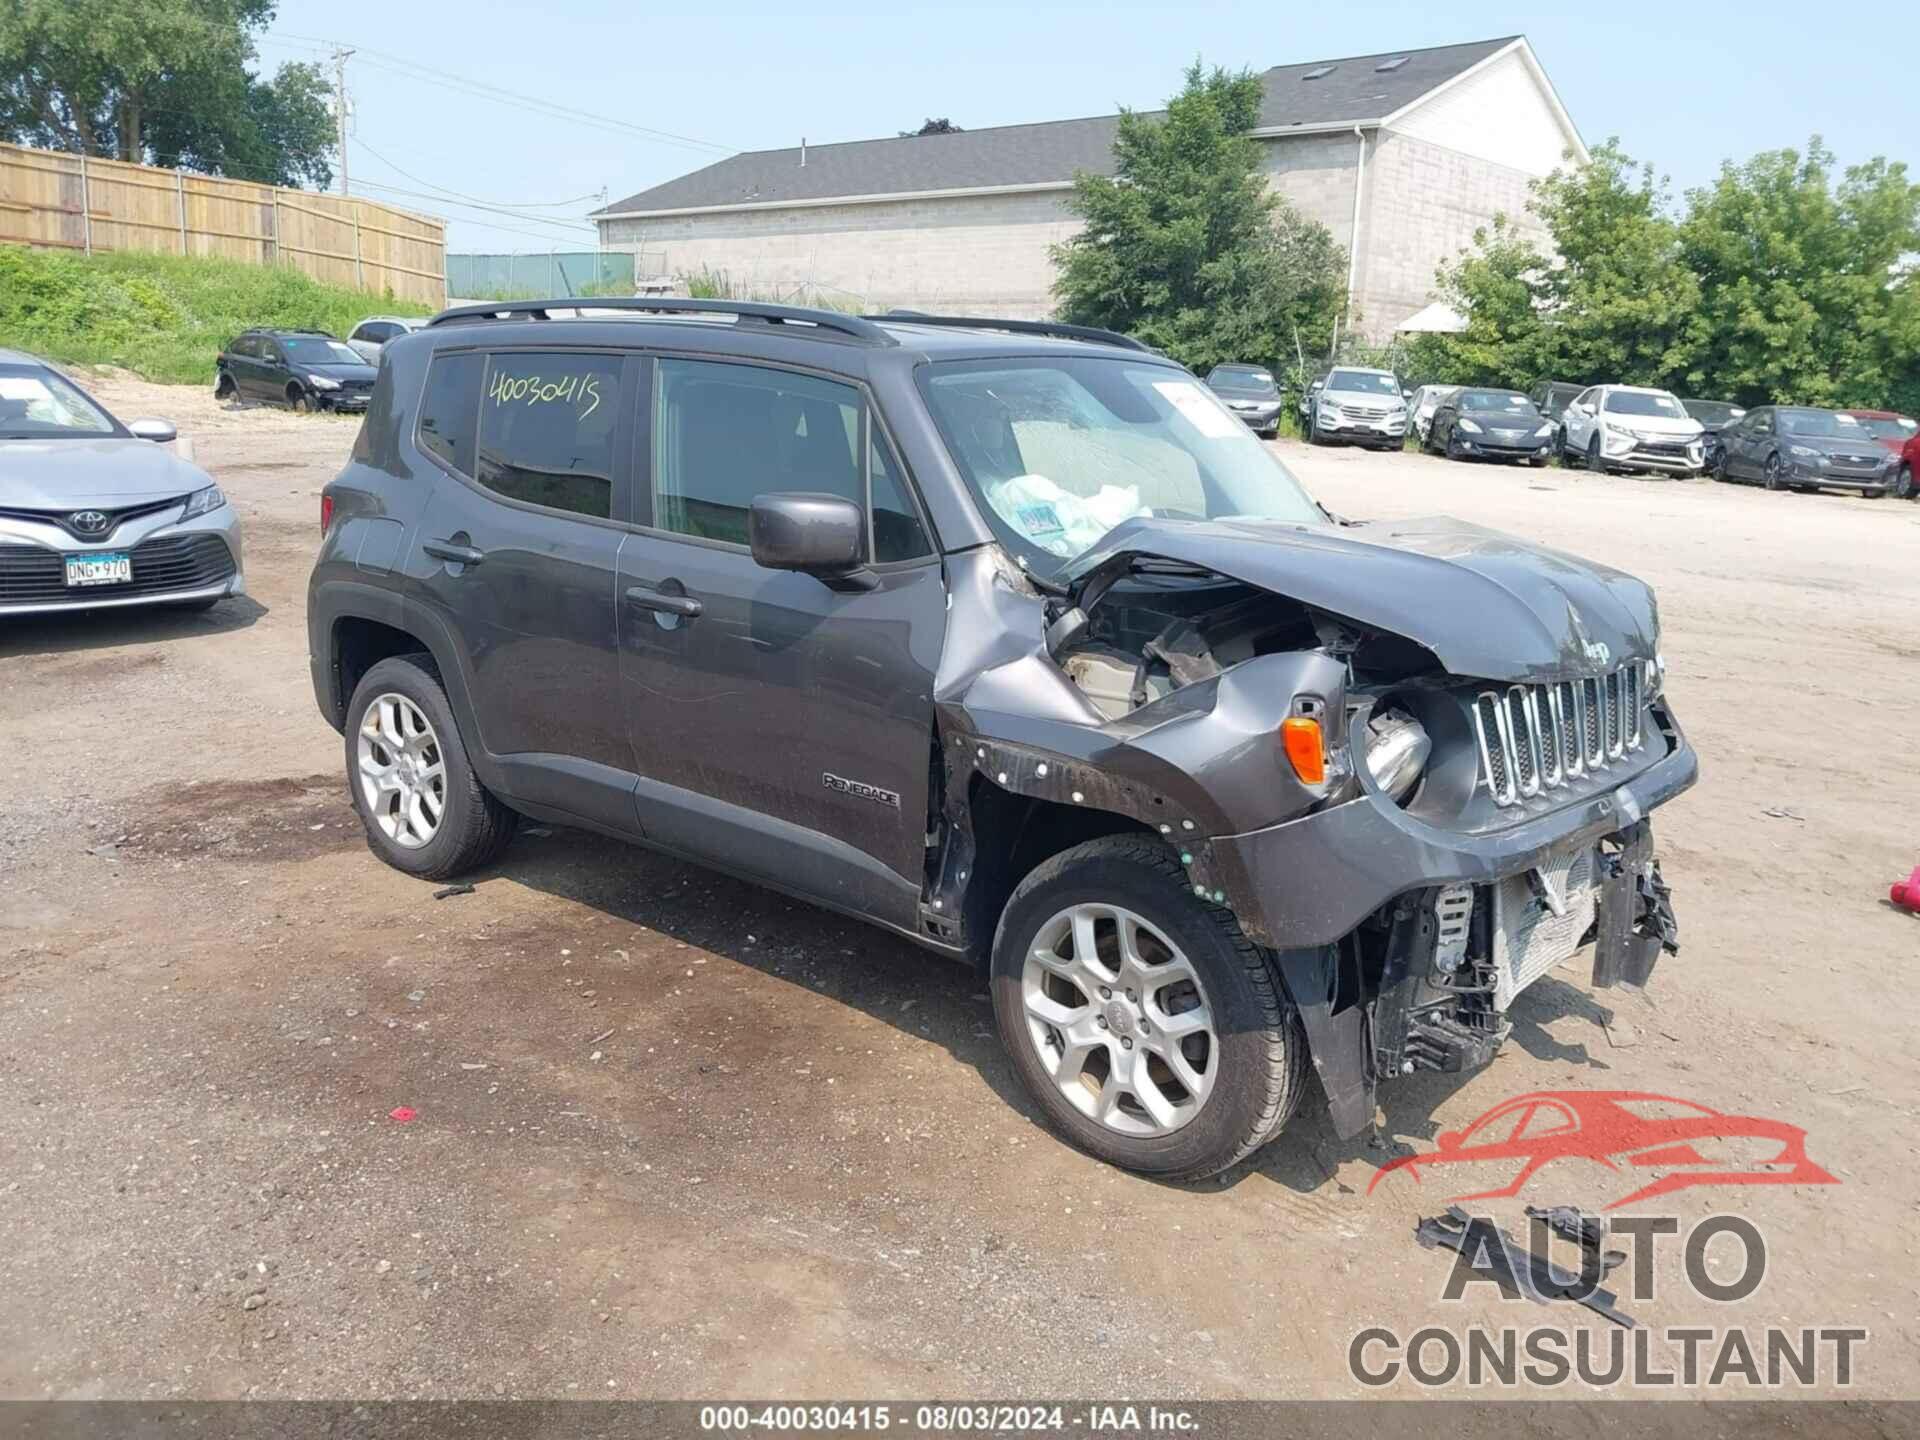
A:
x,y
1452,840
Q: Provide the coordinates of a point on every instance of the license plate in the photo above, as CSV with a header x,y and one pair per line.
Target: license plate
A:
x,y
112,568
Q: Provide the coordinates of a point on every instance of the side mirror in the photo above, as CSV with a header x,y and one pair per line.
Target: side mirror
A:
x,y
819,535
148,428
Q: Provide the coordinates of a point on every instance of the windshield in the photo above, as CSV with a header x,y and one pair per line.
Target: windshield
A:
x,y
1643,402
1889,429
1238,377
35,402
1713,412
1821,425
322,352
1059,451
1364,381
1496,400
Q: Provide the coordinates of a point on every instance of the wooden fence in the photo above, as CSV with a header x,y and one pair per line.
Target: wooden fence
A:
x,y
74,202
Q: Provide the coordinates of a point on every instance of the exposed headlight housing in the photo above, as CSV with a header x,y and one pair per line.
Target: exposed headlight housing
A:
x,y
1545,432
1398,748
323,382
203,502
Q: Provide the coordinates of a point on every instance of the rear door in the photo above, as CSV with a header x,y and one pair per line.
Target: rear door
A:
x,y
243,363
519,552
781,727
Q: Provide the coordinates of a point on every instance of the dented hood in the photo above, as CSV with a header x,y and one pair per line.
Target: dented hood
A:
x,y
1487,605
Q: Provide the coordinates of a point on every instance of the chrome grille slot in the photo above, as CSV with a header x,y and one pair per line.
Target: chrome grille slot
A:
x,y
1535,738
1523,731
1490,728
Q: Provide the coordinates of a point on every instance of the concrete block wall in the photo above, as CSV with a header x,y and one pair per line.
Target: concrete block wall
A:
x,y
1314,173
975,254
1422,204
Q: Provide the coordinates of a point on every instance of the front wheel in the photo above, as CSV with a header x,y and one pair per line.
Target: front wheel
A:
x,y
1594,461
1903,484
1153,1034
424,808
297,400
1454,452
1774,474
1719,467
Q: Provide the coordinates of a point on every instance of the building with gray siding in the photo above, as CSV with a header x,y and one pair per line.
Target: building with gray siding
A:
x,y
1402,155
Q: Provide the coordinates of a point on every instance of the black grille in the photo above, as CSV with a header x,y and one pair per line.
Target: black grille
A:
x,y
1676,449
30,575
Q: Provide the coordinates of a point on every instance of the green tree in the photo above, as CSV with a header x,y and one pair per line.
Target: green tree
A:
x,y
1805,297
1185,246
1496,287
163,81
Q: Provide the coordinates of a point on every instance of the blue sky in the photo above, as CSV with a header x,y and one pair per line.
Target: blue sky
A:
x,y
1684,85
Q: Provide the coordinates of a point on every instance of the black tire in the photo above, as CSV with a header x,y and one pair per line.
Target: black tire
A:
x,y
474,826
1453,446
224,388
1773,479
1903,484
1263,1051
1594,461
1719,470
297,400
1560,442
1539,462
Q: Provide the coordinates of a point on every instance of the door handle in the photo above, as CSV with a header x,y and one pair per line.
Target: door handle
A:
x,y
456,554
642,598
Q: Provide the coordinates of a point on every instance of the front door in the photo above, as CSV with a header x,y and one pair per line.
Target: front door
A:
x,y
782,726
518,553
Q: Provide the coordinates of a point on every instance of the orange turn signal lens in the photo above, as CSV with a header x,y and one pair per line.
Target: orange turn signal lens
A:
x,y
1306,748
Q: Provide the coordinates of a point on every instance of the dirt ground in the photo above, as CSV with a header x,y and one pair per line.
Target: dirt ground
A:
x,y
680,1137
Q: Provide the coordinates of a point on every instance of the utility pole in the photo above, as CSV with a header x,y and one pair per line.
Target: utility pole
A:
x,y
340,56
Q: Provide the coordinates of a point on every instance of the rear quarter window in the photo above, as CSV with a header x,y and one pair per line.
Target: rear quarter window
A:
x,y
450,409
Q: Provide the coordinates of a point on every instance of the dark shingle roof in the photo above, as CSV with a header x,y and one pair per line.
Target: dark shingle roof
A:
x,y
1050,151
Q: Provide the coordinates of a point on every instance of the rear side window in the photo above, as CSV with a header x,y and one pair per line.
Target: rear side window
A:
x,y
547,423
450,409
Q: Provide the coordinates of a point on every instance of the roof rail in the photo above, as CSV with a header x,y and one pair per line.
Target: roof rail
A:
x,y
799,317
1053,328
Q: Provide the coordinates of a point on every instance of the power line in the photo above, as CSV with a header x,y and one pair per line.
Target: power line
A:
x,y
572,226
484,90
474,199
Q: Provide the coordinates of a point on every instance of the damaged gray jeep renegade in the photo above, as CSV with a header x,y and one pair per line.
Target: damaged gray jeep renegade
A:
x,y
1009,638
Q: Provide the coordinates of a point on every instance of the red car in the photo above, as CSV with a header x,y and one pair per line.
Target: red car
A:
x,y
1900,434
1624,1130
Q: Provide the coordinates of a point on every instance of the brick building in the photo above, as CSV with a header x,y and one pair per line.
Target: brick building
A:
x,y
1401,155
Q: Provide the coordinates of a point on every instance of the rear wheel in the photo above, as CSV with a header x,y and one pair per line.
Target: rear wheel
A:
x,y
1149,1029
424,808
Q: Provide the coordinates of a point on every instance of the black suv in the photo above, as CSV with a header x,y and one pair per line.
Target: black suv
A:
x,y
305,369
1012,640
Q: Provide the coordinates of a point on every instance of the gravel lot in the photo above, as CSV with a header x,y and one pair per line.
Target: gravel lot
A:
x,y
680,1137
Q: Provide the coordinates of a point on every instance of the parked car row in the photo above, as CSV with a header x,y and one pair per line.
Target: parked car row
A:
x,y
308,369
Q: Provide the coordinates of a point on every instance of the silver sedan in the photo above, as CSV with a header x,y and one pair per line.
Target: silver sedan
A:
x,y
96,514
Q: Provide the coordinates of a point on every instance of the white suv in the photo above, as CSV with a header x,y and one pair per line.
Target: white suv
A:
x,y
1626,427
1364,405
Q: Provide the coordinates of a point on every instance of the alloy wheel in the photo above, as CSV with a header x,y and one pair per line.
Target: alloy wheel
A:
x,y
403,774
1903,483
1773,472
1119,1020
